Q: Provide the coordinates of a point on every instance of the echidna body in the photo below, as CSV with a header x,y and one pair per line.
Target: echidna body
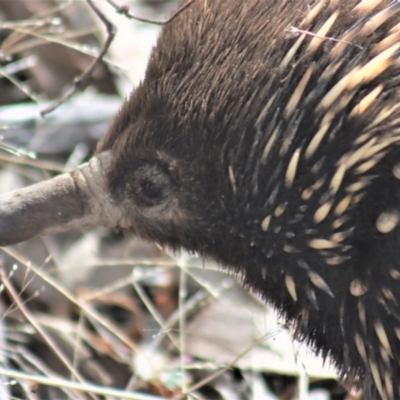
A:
x,y
266,136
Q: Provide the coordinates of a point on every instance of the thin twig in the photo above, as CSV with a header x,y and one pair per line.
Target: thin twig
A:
x,y
230,365
124,10
62,40
111,32
153,311
89,311
81,79
21,86
46,337
182,322
40,39
46,165
15,39
41,20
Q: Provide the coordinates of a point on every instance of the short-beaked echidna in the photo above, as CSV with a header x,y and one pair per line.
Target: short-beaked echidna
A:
x,y
265,136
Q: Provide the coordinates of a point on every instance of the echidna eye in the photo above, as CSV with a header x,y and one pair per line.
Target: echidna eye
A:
x,y
151,192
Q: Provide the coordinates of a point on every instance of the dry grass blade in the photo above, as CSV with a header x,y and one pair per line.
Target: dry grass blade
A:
x,y
124,10
79,80
48,339
88,388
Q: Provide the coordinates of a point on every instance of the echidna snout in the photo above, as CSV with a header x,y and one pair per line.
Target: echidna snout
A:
x,y
265,135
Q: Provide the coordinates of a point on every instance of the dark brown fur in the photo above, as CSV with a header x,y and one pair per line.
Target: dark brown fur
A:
x,y
196,116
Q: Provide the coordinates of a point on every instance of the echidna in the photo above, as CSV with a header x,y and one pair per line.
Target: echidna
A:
x,y
265,135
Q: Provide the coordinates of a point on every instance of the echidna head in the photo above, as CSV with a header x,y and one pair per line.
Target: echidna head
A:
x,y
165,179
